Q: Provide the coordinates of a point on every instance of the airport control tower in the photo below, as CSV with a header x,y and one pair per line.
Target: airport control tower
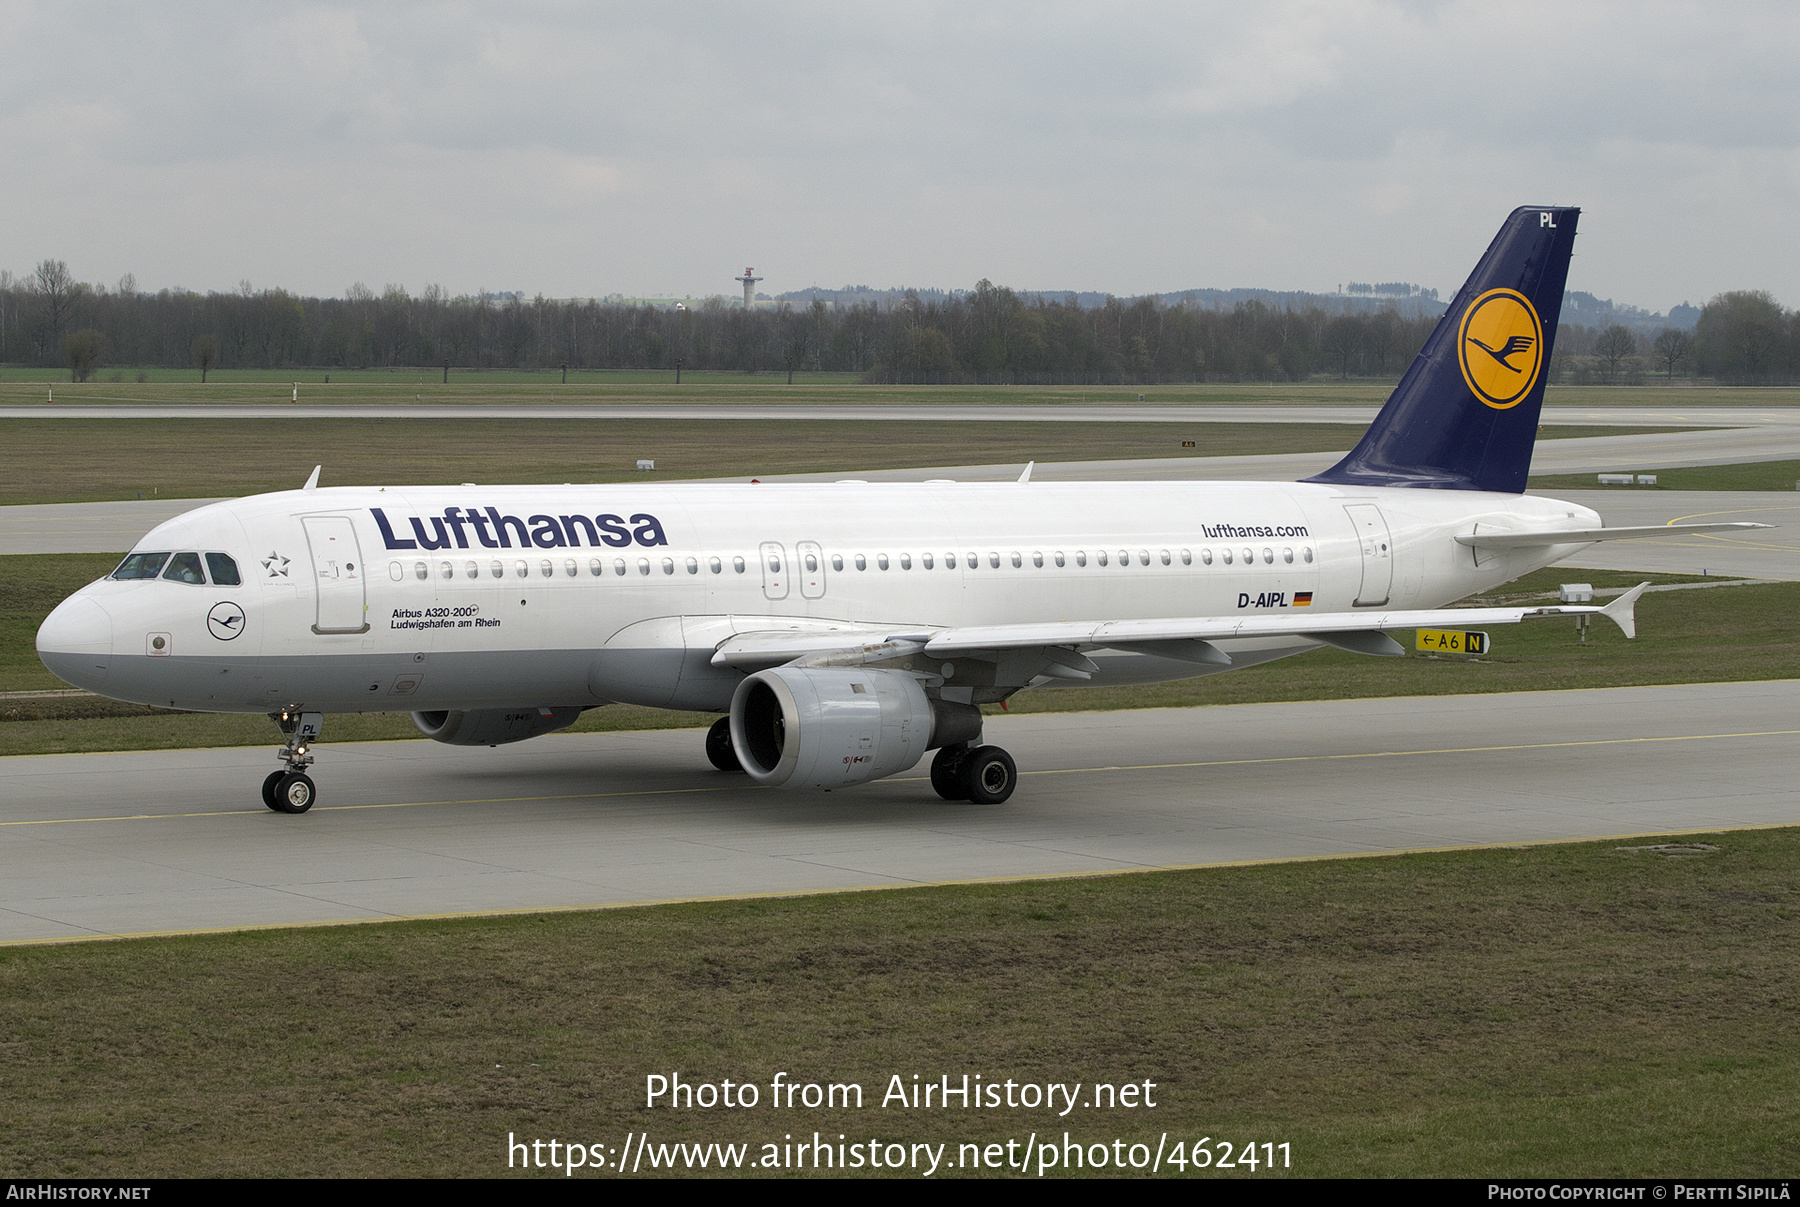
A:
x,y
749,280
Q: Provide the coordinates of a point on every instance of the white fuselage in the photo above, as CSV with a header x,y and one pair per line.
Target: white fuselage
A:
x,y
581,595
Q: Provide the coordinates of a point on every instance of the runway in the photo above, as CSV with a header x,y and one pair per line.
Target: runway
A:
x,y
168,841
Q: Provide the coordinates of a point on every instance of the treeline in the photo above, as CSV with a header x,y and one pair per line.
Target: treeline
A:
x,y
988,335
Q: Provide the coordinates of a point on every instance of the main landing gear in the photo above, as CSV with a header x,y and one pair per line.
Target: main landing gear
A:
x,y
291,790
984,775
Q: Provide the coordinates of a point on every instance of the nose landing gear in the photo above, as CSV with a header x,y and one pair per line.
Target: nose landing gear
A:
x,y
291,790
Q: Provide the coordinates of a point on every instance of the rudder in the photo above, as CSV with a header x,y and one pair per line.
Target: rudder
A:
x,y
1465,415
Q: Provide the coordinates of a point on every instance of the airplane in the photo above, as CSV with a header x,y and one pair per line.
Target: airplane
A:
x,y
844,630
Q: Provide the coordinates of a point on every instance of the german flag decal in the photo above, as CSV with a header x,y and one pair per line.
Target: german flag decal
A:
x,y
1303,599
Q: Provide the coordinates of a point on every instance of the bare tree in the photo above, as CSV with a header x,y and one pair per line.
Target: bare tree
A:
x,y
55,287
83,350
205,350
1614,346
1672,347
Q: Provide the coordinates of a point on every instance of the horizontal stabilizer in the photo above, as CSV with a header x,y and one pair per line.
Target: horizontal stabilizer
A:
x,y
1584,536
1623,610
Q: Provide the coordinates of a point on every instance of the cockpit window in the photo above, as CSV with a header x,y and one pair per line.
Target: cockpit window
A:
x,y
185,568
141,565
224,570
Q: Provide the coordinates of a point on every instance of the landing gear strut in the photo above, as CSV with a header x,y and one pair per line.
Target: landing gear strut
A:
x,y
984,775
718,747
291,790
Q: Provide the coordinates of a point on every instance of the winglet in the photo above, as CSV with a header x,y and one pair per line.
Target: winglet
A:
x,y
1621,611
1026,476
312,480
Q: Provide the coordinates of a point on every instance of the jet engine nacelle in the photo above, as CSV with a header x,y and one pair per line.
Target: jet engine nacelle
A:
x,y
831,727
493,726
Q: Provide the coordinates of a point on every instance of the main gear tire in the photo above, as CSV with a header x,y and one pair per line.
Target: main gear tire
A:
x,y
719,751
987,775
944,778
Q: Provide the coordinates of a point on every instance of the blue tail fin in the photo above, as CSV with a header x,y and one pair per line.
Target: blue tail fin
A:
x,y
1465,415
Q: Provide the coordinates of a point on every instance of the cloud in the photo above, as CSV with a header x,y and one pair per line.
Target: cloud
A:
x,y
580,149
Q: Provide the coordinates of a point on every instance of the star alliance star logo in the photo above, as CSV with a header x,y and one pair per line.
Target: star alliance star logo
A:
x,y
276,565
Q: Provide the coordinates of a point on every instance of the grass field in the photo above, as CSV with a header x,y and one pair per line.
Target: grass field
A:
x,y
1749,475
1595,1009
401,386
1728,633
66,461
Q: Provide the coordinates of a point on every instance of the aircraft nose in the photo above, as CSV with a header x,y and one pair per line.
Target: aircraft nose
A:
x,y
75,642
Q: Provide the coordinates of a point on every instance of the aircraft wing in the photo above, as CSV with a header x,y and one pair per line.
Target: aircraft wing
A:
x,y
1318,625
1185,638
1501,539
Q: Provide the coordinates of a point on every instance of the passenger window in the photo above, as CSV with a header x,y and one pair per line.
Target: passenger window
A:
x,y
718,567
1225,556
446,570
1268,557
141,565
619,566
862,563
1059,559
497,568
1081,557
949,561
1124,558
1187,557
737,564
225,572
1037,559
1100,557
1287,555
420,571
906,561
1206,557
545,568
1249,557
1017,561
993,561
837,561
1306,554
594,566
643,565
812,563
472,570
668,565
185,568
522,569
925,561
570,568
971,561
693,565
881,560
1165,557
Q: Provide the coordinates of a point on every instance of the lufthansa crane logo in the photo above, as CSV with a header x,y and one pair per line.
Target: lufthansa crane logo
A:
x,y
225,621
1500,345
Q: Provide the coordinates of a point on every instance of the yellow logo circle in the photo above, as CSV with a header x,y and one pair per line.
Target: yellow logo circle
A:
x,y
1500,345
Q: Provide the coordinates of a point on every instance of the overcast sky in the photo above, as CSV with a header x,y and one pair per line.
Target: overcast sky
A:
x,y
584,149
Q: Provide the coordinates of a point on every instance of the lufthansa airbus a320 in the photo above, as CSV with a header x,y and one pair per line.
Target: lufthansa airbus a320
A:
x,y
843,631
